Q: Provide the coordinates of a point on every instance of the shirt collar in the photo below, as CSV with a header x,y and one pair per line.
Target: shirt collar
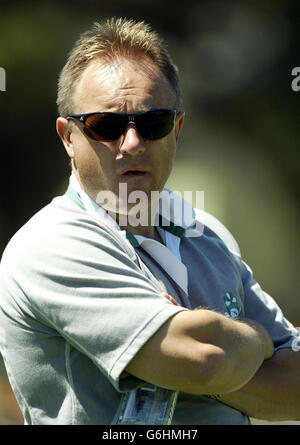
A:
x,y
167,255
175,214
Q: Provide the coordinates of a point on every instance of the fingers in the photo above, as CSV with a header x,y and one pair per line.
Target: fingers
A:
x,y
168,297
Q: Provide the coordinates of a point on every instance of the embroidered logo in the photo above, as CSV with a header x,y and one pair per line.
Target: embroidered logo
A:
x,y
232,305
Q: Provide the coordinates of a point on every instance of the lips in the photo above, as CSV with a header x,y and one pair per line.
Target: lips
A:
x,y
133,171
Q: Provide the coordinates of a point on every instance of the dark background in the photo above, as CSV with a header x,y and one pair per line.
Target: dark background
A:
x,y
240,143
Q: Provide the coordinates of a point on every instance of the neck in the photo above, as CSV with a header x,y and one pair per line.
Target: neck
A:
x,y
138,229
139,225
138,220
148,232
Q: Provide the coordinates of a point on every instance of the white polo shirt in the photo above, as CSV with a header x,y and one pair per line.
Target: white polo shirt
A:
x,y
79,297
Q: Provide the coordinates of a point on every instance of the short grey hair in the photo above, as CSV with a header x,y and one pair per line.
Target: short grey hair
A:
x,y
108,40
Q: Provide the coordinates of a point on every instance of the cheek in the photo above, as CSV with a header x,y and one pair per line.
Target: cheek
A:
x,y
91,159
164,157
87,162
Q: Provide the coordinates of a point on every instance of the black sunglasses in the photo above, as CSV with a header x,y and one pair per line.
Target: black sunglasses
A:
x,y
108,126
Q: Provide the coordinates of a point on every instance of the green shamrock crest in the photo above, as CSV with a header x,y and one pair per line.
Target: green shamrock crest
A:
x,y
232,305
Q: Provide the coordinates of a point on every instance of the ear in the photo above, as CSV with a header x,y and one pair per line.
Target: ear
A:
x,y
65,133
179,124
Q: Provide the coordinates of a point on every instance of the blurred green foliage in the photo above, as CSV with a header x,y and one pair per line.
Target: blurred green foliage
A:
x,y
240,142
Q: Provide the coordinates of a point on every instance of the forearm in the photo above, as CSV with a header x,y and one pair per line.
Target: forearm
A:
x,y
246,344
274,392
202,352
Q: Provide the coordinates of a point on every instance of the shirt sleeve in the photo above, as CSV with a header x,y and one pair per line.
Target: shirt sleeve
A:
x,y
261,307
76,278
258,305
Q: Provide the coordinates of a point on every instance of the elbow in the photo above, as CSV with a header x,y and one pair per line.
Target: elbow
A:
x,y
222,372
209,373
219,373
216,373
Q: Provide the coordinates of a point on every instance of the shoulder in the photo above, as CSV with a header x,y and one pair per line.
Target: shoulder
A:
x,y
211,226
195,221
62,229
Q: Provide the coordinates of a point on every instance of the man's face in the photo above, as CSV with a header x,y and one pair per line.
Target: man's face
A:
x,y
123,87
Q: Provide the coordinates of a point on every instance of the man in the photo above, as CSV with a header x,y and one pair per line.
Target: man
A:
x,y
111,316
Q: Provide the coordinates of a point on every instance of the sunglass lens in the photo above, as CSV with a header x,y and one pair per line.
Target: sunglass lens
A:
x,y
155,124
105,127
151,125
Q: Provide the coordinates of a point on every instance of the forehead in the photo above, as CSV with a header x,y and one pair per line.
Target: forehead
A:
x,y
123,86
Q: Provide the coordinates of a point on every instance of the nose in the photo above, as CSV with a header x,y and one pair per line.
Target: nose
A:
x,y
132,143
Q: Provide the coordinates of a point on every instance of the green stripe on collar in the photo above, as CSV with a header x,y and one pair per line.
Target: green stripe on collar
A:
x,y
169,226
74,196
132,239
175,230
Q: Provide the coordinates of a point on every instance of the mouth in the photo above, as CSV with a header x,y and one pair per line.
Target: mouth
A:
x,y
133,171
